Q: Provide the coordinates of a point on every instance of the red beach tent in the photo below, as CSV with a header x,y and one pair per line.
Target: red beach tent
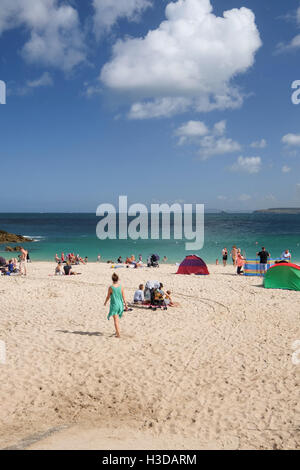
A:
x,y
192,264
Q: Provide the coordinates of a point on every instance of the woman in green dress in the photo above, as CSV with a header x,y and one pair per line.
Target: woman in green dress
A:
x,y
117,302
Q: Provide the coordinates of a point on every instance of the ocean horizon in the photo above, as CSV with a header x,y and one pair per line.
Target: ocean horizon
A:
x,y
76,232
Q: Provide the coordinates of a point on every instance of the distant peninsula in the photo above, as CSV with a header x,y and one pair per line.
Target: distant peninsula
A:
x,y
283,210
6,237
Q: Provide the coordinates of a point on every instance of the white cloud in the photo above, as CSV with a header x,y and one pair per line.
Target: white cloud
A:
x,y
162,107
285,169
222,198
291,140
210,142
292,45
244,197
259,144
295,41
192,56
44,80
190,130
108,12
211,146
247,165
55,38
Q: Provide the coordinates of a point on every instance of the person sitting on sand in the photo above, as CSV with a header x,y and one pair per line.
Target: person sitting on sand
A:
x,y
68,270
12,268
286,256
168,300
138,297
117,299
58,269
131,261
120,260
159,293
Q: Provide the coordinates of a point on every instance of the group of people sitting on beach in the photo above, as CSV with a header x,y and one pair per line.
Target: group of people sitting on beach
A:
x,y
15,266
71,258
161,298
65,263
132,262
9,267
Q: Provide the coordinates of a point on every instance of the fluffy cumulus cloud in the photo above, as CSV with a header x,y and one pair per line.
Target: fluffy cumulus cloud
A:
x,y
210,142
55,38
108,12
191,130
291,140
250,165
188,62
259,144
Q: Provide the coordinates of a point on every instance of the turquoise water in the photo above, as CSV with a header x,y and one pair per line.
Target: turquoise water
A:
x,y
76,233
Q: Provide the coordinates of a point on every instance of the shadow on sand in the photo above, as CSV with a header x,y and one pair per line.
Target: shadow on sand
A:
x,y
82,333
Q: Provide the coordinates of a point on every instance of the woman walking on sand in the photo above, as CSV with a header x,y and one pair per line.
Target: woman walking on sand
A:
x,y
117,302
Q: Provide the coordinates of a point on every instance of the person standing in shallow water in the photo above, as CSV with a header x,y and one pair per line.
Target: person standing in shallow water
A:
x,y
224,256
117,299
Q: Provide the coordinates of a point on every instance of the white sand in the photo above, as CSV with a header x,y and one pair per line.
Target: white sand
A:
x,y
215,372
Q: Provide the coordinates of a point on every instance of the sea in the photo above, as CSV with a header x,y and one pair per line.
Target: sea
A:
x,y
76,233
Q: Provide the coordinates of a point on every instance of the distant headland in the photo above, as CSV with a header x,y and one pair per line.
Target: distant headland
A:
x,y
283,210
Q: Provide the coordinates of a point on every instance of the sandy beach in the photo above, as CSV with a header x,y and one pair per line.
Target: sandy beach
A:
x,y
215,372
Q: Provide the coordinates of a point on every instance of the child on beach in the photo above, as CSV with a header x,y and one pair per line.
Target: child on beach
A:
x,y
117,299
139,295
58,269
168,300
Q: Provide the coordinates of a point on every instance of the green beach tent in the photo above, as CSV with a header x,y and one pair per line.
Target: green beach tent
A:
x,y
283,276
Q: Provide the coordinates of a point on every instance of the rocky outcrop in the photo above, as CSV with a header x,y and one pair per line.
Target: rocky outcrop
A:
x,y
6,237
12,249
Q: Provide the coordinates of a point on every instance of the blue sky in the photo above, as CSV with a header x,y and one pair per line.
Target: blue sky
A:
x,y
158,100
